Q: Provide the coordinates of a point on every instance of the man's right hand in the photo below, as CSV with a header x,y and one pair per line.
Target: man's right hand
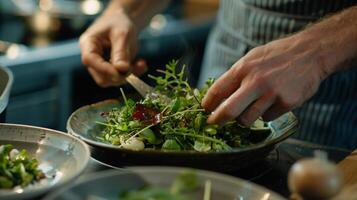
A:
x,y
114,31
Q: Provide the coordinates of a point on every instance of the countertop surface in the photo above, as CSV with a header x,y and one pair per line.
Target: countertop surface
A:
x,y
270,172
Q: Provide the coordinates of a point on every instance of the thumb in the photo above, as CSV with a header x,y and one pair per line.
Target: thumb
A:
x,y
140,67
120,54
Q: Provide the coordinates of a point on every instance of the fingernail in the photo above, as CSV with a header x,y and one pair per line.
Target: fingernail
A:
x,y
204,102
210,119
122,66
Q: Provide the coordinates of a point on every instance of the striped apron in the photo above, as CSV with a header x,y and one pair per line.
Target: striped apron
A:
x,y
330,116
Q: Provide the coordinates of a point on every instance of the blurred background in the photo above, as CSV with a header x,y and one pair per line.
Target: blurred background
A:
x,y
39,44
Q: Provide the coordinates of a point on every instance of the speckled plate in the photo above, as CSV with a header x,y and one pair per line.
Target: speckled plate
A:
x,y
61,157
222,186
82,124
6,80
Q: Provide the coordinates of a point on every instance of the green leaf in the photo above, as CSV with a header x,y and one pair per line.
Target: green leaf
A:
x,y
199,122
5,182
210,129
150,136
152,193
171,144
186,181
175,105
202,146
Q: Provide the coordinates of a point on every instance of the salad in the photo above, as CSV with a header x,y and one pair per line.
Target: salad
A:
x,y
17,168
172,119
184,183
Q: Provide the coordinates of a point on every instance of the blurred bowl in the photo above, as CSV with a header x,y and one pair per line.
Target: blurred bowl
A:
x,y
61,157
6,79
82,124
115,182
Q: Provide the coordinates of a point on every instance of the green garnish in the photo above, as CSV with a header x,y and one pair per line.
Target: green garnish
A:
x,y
17,168
178,124
186,181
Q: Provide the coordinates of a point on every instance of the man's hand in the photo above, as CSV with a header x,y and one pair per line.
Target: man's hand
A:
x,y
281,75
114,31
269,81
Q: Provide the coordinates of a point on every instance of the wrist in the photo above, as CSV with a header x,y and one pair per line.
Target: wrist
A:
x,y
334,40
120,8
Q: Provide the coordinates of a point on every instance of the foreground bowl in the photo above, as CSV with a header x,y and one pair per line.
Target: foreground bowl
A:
x,y
82,124
61,157
6,80
119,181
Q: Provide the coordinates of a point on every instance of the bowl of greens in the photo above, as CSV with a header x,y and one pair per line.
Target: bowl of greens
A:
x,y
163,183
169,127
34,160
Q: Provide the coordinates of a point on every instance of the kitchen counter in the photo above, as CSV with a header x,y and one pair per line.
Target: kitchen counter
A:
x,y
270,172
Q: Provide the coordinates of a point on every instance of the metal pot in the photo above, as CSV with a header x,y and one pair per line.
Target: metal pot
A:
x,y
6,79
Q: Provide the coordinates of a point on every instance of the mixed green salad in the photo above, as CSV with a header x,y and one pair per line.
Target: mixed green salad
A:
x,y
172,119
17,168
184,183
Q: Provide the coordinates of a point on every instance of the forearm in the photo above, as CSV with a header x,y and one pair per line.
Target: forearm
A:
x,y
140,11
337,38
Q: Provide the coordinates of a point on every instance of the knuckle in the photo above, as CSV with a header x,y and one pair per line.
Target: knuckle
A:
x,y
82,38
85,38
215,91
246,65
290,103
238,69
85,59
255,50
121,33
101,82
254,110
260,81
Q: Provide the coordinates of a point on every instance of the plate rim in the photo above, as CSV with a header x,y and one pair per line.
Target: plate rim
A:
x,y
154,168
113,147
32,192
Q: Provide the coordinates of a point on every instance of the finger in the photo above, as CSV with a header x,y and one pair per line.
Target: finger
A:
x,y
256,109
120,52
92,49
104,73
274,112
222,88
92,44
140,67
234,105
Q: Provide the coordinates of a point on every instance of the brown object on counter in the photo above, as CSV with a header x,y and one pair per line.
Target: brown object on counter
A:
x,y
348,167
314,178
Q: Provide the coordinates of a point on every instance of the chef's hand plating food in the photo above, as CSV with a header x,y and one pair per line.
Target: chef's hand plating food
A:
x,y
155,123
281,75
17,168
